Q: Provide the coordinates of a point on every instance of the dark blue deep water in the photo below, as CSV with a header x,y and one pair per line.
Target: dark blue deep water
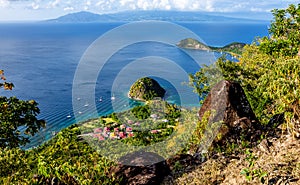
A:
x,y
41,60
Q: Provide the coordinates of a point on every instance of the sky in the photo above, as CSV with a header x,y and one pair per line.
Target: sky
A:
x,y
19,10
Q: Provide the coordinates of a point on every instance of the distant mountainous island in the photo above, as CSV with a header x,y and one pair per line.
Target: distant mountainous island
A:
x,y
189,43
128,16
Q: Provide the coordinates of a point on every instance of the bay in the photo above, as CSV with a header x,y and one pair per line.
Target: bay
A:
x,y
41,60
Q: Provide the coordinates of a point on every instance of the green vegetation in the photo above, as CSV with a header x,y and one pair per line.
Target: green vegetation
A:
x,y
5,85
146,89
141,112
69,157
268,70
270,75
17,119
250,173
15,113
235,48
140,126
66,159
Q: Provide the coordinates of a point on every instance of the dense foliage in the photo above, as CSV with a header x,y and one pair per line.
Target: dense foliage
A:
x,y
268,70
141,112
70,159
18,119
284,33
66,159
4,84
145,89
139,126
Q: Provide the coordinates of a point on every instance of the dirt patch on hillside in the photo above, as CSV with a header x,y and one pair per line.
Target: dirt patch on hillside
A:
x,y
274,161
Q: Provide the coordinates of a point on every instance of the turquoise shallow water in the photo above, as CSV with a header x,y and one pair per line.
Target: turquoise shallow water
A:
x,y
41,59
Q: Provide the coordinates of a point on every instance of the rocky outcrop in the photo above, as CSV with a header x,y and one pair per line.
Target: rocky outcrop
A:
x,y
226,112
138,168
229,113
146,89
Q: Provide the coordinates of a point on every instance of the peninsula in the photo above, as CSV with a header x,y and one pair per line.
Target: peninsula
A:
x,y
190,43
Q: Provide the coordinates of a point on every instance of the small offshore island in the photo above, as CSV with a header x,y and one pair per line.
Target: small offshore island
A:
x,y
145,89
232,48
247,130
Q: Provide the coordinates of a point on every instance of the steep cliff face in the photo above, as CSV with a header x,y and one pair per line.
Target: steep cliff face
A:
x,y
146,89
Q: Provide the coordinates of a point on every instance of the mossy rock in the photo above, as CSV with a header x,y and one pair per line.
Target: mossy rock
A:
x,y
145,89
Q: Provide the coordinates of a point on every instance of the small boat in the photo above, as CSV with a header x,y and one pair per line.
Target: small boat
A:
x,y
69,116
100,99
86,105
78,99
113,97
79,112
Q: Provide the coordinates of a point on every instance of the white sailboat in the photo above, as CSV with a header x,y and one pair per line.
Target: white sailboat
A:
x,y
113,97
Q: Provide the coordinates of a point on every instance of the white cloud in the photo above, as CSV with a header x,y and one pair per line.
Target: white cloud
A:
x,y
123,2
108,5
120,5
165,4
58,7
204,5
144,5
167,7
209,6
99,3
53,4
4,3
88,3
35,6
132,7
69,8
179,4
103,6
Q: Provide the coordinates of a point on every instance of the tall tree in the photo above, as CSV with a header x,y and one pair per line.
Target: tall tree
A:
x,y
284,32
18,118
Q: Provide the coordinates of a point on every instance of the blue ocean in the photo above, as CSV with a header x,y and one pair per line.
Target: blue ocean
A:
x,y
41,59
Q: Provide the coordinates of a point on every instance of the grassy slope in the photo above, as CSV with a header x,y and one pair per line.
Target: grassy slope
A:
x,y
281,162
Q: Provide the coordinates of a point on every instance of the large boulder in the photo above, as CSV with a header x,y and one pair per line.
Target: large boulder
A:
x,y
228,114
146,89
138,169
